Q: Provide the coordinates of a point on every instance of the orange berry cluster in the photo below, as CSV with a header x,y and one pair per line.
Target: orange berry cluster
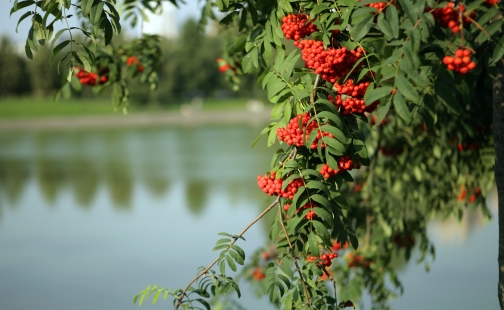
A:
x,y
89,78
331,63
463,194
350,98
134,60
297,26
326,259
310,215
391,151
358,261
338,246
351,89
384,121
273,186
258,274
348,105
461,63
345,164
380,6
449,16
404,240
463,146
491,2
293,135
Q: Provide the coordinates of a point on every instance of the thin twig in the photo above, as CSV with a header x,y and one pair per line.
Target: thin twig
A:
x,y
334,285
294,256
181,296
315,84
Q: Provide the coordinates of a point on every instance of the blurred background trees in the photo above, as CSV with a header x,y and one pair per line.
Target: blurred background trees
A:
x,y
188,70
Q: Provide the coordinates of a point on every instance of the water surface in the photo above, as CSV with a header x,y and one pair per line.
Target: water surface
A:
x,y
89,218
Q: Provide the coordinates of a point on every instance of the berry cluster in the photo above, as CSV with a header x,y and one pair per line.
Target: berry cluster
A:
x,y
89,78
491,2
358,261
404,240
380,6
133,60
391,151
258,274
326,259
463,194
463,146
384,121
338,246
310,215
223,65
273,186
292,134
345,163
331,63
449,16
349,105
350,98
297,26
351,89
461,62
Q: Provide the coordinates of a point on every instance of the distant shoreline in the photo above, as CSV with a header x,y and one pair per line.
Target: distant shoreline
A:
x,y
134,120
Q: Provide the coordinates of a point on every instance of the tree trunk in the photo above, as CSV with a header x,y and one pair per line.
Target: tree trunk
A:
x,y
498,132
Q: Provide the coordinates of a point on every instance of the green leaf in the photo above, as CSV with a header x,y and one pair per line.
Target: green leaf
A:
x,y
406,88
28,51
321,230
335,144
384,26
24,16
109,31
96,13
373,95
393,20
58,48
445,94
324,214
362,28
408,8
86,6
313,245
498,51
401,108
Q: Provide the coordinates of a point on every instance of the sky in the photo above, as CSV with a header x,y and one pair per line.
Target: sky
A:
x,y
166,25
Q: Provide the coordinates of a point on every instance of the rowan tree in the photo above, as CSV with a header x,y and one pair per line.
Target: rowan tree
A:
x,y
387,114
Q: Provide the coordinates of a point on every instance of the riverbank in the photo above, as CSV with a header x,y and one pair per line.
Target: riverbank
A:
x,y
135,120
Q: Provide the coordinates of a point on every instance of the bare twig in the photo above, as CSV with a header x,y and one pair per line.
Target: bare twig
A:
x,y
334,285
294,257
181,296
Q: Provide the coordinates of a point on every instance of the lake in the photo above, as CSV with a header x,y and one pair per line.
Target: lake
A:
x,y
88,218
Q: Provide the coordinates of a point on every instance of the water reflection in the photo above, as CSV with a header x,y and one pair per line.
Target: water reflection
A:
x,y
116,160
14,174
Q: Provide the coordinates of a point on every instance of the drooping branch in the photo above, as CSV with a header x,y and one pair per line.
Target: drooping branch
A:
x,y
291,248
498,132
235,238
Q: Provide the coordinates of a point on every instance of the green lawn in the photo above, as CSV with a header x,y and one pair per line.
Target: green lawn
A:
x,y
40,107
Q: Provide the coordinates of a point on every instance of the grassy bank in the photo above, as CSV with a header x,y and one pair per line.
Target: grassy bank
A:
x,y
13,108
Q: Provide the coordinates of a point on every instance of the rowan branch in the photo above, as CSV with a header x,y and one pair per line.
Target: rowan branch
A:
x,y
181,296
334,285
294,257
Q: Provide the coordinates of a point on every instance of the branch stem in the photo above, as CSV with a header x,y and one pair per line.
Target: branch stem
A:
x,y
294,257
181,296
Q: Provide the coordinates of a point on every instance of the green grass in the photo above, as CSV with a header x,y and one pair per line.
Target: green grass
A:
x,y
11,108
